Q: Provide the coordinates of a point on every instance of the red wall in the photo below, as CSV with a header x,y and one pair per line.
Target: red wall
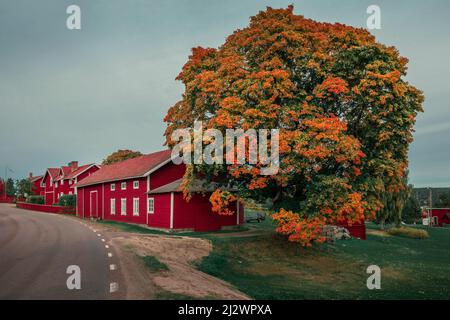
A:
x,y
84,202
130,193
45,208
168,173
38,190
440,214
48,190
197,214
161,216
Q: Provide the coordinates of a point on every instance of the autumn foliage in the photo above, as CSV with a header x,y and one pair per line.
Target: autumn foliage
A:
x,y
121,155
344,111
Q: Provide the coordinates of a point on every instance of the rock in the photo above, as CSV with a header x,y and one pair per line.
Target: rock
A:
x,y
333,233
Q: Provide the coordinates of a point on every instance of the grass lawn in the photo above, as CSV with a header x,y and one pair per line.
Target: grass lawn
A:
x,y
267,267
135,228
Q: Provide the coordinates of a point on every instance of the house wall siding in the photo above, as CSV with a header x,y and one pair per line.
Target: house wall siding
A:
x,y
195,214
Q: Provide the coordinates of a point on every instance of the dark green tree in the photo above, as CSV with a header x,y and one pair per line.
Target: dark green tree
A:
x,y
10,188
411,211
24,187
443,200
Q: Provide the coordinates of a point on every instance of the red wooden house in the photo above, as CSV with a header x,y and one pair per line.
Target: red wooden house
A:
x,y
37,188
146,190
438,216
61,181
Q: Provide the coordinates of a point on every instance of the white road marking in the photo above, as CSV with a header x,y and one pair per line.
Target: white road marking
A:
x,y
103,240
98,234
109,254
112,267
106,246
113,287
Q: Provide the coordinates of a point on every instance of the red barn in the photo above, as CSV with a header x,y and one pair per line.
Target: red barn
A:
x,y
439,216
146,190
61,181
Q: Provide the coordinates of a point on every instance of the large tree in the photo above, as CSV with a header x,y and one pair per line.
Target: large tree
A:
x,y
338,97
121,155
24,187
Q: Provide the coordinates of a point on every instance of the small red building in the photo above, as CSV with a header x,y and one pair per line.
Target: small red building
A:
x,y
57,182
438,216
37,188
146,190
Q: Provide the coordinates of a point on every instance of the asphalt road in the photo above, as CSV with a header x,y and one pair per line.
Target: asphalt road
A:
x,y
36,249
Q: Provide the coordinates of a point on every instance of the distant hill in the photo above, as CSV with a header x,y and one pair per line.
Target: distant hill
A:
x,y
423,194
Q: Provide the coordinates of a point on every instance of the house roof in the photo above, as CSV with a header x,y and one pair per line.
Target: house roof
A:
x,y
78,171
36,178
67,172
195,186
131,168
53,172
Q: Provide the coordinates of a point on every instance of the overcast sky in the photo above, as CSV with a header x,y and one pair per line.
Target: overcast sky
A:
x,y
80,95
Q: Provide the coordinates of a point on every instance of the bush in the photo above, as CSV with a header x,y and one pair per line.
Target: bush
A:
x,y
408,233
35,199
68,200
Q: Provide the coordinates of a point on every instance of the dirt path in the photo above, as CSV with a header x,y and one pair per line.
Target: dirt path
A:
x,y
179,254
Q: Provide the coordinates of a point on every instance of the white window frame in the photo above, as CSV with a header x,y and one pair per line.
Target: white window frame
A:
x,y
136,184
122,211
112,204
123,186
153,205
56,184
135,208
112,187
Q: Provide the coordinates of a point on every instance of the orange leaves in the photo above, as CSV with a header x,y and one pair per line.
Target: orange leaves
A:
x,y
304,230
331,85
221,201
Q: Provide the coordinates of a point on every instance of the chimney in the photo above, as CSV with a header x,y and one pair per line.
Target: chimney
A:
x,y
30,175
73,165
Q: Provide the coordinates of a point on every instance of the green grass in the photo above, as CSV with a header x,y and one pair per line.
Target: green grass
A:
x,y
268,267
153,264
134,228
408,232
127,227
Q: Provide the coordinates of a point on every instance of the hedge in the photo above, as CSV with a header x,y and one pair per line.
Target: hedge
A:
x,y
68,200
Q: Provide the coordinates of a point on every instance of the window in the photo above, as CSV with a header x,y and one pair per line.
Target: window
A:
x,y
123,186
56,184
150,205
123,207
135,206
113,206
135,184
112,187
62,182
